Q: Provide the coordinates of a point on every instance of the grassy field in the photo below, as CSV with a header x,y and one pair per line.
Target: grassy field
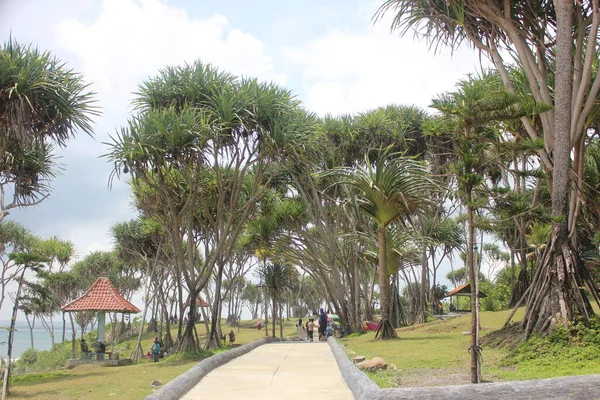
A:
x,y
437,354
124,383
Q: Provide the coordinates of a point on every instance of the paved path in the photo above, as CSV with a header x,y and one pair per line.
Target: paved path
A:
x,y
292,370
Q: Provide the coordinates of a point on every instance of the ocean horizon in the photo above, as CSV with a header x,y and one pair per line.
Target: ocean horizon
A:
x,y
22,341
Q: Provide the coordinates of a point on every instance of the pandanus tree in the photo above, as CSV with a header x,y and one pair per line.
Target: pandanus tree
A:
x,y
26,261
42,103
474,112
387,189
277,278
556,45
265,232
201,143
139,241
14,238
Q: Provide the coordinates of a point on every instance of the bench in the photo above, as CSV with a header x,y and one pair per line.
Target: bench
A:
x,y
103,356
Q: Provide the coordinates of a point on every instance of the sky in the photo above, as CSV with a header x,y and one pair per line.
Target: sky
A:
x,y
329,53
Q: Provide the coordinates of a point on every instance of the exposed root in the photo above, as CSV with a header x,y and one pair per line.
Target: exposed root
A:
x,y
385,331
557,292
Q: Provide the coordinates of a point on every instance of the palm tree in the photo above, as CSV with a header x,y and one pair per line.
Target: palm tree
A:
x,y
264,233
139,241
42,102
388,189
276,278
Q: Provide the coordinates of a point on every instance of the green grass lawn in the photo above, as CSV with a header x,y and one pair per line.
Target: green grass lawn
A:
x,y
437,354
92,382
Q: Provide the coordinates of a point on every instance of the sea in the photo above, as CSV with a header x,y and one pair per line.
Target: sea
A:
x,y
22,341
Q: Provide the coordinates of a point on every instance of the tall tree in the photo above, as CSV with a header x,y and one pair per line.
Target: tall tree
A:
x,y
474,110
388,189
555,43
202,144
42,103
27,261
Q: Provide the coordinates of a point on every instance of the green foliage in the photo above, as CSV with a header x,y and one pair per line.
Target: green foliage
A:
x,y
497,296
42,103
575,347
29,357
36,361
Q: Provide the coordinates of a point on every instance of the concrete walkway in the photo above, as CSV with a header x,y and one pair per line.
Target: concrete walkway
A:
x,y
289,370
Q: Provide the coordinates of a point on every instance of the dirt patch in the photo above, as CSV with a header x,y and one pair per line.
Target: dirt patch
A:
x,y
508,337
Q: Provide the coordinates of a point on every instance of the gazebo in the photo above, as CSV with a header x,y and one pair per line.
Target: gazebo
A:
x,y
101,297
463,290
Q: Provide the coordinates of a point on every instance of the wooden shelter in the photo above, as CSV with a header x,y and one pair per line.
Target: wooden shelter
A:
x,y
101,297
463,290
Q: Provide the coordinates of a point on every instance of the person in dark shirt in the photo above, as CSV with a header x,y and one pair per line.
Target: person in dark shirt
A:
x,y
322,324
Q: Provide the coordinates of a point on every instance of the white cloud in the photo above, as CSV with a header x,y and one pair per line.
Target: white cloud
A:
x,y
116,44
130,40
352,72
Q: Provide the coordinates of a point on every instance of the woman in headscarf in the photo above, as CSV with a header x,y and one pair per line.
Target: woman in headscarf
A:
x,y
322,324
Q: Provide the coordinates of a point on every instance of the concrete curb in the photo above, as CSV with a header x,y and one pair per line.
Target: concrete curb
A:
x,y
564,388
179,386
361,386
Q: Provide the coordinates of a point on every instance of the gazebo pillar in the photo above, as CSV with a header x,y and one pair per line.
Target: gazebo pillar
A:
x,y
101,315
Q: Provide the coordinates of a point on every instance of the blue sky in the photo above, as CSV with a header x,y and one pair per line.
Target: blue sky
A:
x,y
329,53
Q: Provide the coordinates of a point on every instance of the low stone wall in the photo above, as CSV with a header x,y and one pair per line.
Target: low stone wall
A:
x,y
179,386
565,388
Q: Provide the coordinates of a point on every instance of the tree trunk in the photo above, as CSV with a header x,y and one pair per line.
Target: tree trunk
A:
x,y
138,352
64,326
274,316
11,338
557,285
421,296
474,349
281,320
73,337
214,338
31,324
384,330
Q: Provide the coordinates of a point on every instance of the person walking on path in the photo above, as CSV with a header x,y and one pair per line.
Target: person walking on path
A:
x,y
155,350
322,324
301,330
310,326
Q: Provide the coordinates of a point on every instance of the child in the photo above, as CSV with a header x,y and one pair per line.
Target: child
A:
x,y
310,325
155,350
328,331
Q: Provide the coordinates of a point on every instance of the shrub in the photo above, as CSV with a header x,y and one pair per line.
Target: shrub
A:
x,y
29,357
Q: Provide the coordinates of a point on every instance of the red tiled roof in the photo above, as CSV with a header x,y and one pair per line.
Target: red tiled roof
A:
x,y
463,289
200,302
101,296
458,290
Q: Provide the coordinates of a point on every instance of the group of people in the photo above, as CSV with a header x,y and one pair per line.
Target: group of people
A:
x,y
99,346
324,325
156,351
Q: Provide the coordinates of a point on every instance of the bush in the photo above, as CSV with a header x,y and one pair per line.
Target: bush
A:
x,y
38,361
29,357
575,345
